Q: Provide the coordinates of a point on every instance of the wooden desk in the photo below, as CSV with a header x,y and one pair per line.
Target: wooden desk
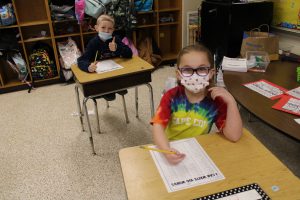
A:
x,y
136,72
242,163
280,73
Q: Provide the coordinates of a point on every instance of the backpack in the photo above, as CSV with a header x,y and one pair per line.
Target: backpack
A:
x,y
143,5
124,15
149,51
69,53
7,15
16,63
41,62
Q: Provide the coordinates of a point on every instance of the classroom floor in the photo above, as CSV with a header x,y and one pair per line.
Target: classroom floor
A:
x,y
44,154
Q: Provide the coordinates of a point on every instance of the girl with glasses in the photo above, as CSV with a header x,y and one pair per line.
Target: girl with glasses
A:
x,y
191,108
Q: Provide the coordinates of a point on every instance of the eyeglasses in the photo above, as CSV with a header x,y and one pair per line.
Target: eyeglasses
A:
x,y
188,71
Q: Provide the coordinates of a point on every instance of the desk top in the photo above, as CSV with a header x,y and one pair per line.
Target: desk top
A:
x,y
280,73
242,163
131,66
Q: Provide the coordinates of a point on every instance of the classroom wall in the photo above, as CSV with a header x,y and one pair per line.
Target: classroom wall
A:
x,y
289,39
187,5
285,38
287,11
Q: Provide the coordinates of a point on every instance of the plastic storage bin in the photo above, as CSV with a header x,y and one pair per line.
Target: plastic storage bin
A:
x,y
257,61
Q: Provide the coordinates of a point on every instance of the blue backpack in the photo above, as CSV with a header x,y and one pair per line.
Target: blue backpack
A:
x,y
143,5
7,15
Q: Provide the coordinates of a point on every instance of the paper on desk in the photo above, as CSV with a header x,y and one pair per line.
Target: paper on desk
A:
x,y
266,88
107,66
297,120
294,92
234,64
196,168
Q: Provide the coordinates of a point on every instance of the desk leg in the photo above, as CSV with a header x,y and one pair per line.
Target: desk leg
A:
x,y
136,102
79,107
151,99
89,125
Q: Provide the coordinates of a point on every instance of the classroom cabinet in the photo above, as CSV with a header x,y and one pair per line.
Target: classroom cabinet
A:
x,y
164,24
34,23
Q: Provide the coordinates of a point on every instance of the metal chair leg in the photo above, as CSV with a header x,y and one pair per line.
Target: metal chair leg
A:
x,y
89,125
97,115
107,104
136,102
80,112
125,109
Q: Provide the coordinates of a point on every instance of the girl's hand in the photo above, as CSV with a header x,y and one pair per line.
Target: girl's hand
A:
x,y
112,45
174,158
93,67
223,93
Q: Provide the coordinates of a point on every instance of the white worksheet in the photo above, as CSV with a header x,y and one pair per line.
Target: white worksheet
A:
x,y
294,92
196,169
288,104
107,66
234,64
266,88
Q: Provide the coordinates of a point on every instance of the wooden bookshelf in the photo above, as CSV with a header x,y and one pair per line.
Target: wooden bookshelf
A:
x,y
167,34
33,16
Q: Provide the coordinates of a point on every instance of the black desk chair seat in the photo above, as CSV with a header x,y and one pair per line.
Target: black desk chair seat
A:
x,y
110,97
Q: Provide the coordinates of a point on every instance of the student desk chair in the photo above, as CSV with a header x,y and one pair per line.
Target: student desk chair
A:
x,y
122,93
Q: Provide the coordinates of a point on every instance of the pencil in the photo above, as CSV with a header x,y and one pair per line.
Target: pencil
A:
x,y
96,56
158,150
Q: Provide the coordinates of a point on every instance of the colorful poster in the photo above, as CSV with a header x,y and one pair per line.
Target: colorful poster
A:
x,y
286,13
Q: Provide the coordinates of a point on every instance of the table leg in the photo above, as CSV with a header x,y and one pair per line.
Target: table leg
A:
x,y
151,99
136,102
89,125
79,106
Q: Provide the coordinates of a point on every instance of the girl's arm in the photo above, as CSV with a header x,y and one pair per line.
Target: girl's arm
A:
x,y
159,137
162,142
233,127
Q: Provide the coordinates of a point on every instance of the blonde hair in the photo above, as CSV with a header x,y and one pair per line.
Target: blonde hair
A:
x,y
105,18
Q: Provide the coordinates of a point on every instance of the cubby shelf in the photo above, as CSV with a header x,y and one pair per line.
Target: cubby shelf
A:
x,y
169,23
34,23
37,39
147,26
67,35
11,26
33,16
166,34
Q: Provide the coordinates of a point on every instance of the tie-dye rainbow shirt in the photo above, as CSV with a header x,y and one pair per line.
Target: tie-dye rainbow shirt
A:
x,y
183,119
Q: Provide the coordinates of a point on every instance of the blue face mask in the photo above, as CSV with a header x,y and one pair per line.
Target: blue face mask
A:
x,y
105,36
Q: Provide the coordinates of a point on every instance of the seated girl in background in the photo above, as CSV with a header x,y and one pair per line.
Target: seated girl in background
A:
x,y
191,108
